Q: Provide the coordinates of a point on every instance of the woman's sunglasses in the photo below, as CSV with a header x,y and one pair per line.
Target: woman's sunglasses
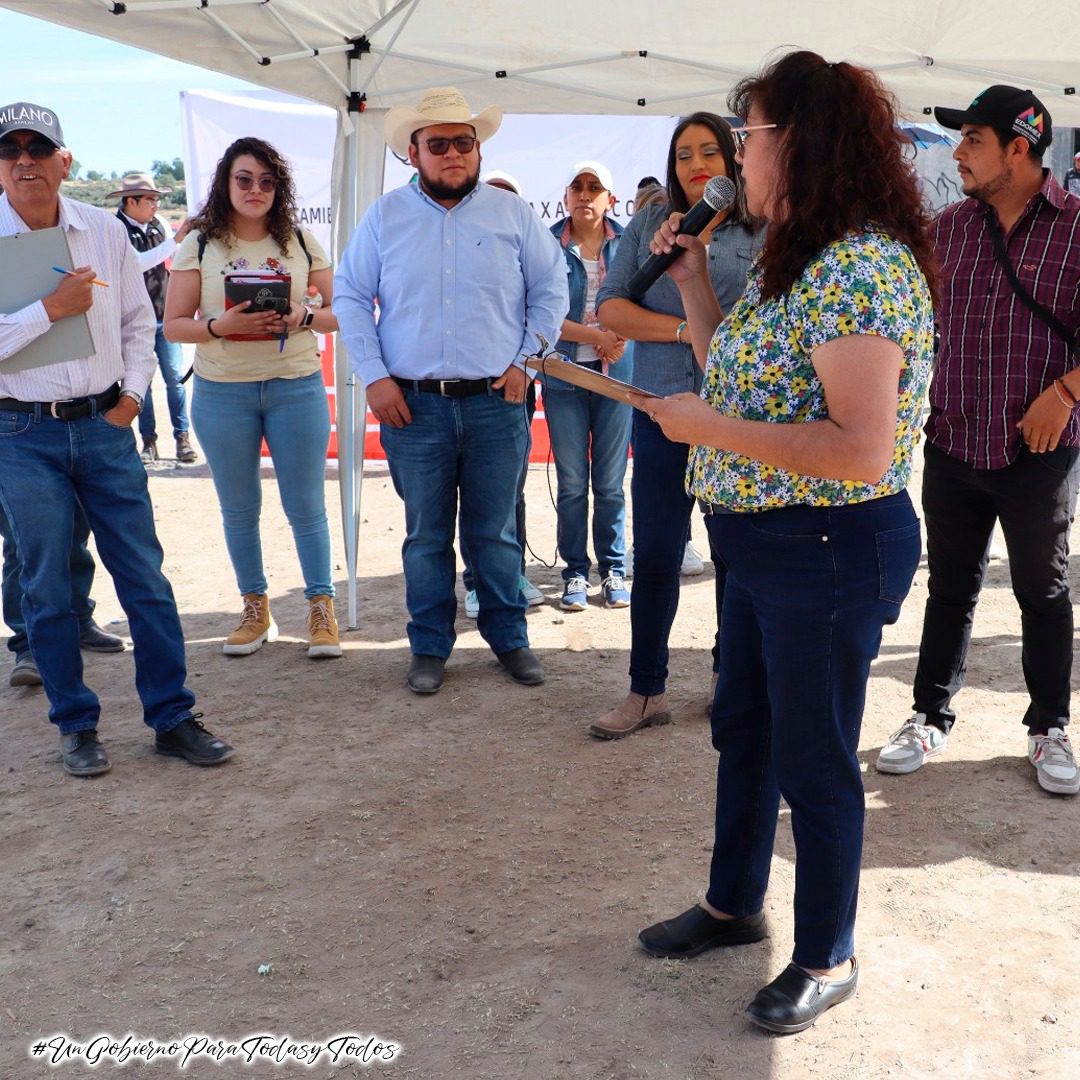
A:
x,y
245,182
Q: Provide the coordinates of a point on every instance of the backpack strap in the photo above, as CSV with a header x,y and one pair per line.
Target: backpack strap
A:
x,y
303,245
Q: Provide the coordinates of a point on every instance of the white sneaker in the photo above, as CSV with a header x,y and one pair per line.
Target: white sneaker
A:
x,y
692,563
1055,766
532,594
908,748
472,604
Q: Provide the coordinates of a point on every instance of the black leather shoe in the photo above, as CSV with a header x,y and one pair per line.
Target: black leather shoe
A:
x,y
94,639
25,672
191,741
523,666
426,674
795,999
83,754
694,931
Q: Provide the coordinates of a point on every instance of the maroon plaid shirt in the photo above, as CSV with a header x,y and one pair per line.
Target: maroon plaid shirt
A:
x,y
996,357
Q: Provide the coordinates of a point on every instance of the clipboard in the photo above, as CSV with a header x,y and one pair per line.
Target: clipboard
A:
x,y
586,378
27,275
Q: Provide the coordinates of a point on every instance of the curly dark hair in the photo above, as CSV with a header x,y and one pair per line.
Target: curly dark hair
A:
x,y
722,130
214,220
840,166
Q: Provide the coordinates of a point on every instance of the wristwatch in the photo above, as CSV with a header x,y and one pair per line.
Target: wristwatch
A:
x,y
308,319
136,397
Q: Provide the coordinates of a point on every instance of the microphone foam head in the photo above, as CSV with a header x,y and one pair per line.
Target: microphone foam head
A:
x,y
719,193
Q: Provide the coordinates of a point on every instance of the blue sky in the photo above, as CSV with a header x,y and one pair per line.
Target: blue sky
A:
x,y
118,106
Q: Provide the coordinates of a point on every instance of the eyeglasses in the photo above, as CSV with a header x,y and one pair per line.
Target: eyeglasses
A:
x,y
741,135
463,144
152,199
38,150
245,182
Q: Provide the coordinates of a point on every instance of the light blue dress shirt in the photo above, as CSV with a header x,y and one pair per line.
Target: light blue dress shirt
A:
x,y
462,293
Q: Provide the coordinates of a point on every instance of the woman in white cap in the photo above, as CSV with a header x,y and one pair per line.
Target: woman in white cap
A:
x,y
589,433
258,375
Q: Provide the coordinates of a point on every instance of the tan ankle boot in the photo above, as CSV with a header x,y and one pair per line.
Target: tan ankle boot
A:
x,y
322,628
637,711
256,626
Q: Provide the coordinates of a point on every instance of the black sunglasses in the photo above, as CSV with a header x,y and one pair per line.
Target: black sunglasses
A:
x,y
245,182
463,144
38,150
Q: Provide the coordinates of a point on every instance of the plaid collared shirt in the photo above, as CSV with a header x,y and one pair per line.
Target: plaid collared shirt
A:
x,y
995,356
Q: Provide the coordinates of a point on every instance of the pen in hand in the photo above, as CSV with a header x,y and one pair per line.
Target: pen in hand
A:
x,y
61,270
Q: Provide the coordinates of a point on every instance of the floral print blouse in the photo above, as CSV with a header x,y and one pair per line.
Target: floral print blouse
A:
x,y
759,368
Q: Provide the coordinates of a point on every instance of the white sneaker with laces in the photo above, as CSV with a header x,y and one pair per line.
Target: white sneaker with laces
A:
x,y
692,563
532,594
1055,766
908,748
472,604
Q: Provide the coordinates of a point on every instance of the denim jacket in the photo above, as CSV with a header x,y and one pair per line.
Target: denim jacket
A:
x,y
577,282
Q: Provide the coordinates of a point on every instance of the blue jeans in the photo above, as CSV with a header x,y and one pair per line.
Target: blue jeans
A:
x,y
82,577
661,510
579,422
47,469
808,592
470,448
231,420
171,361
1034,498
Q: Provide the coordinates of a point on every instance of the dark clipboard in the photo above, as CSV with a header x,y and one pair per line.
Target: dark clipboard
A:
x,y
27,274
586,378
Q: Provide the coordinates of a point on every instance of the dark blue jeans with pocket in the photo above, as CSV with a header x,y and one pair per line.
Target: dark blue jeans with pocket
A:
x,y
808,592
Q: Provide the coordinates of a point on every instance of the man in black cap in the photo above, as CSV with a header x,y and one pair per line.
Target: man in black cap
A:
x,y
1003,434
66,442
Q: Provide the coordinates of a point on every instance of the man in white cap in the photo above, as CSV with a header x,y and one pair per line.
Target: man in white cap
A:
x,y
469,283
66,442
152,237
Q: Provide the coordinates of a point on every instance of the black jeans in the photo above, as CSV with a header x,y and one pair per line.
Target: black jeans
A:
x,y
1034,499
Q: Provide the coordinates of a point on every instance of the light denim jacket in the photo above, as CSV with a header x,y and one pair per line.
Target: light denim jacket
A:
x,y
666,367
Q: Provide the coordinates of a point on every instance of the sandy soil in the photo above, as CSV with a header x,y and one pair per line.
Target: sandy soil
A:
x,y
464,875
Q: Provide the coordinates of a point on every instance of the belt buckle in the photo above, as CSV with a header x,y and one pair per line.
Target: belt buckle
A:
x,y
444,383
53,406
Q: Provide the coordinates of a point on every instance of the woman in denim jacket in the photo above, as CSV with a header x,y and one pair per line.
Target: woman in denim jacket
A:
x,y
701,147
589,433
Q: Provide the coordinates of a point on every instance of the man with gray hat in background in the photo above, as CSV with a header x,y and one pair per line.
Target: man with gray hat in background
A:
x,y
468,281
66,442
152,237
1003,437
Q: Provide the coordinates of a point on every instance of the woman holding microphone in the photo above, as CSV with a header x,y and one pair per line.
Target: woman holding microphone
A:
x,y
802,448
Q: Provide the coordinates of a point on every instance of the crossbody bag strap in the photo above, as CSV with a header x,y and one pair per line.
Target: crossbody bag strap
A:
x,y
1038,310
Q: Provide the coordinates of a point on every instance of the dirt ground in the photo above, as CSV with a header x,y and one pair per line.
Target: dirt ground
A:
x,y
464,875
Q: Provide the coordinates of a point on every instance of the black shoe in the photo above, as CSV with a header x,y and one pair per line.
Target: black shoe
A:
x,y
694,931
83,754
25,672
426,673
191,741
523,666
94,639
795,999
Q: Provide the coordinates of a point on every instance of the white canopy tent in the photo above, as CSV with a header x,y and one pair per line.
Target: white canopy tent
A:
x,y
615,56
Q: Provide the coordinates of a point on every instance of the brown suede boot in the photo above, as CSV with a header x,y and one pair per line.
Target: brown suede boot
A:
x,y
637,711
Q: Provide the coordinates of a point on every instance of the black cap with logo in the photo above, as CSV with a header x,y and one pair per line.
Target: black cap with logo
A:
x,y
1007,110
23,116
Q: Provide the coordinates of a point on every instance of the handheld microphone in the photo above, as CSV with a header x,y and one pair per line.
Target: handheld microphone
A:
x,y
719,195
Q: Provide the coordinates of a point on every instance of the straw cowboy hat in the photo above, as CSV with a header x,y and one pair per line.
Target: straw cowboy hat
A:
x,y
136,183
439,105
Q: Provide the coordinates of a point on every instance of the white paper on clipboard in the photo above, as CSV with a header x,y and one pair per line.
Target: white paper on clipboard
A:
x,y
26,274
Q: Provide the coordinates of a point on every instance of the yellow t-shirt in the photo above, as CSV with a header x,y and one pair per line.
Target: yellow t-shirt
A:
x,y
251,361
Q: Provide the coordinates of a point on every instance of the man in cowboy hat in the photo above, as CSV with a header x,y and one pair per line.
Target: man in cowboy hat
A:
x,y
469,283
152,237
66,442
